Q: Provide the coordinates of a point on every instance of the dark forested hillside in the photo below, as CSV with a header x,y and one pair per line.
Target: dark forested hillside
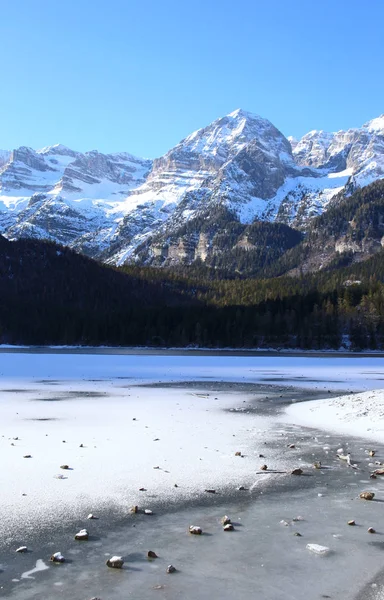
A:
x,y
50,295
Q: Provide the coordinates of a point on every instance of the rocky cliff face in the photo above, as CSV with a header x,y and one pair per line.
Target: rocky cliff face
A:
x,y
119,208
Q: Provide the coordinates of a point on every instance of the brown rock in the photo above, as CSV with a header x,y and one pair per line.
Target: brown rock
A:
x,y
65,467
225,520
134,509
238,454
371,530
297,472
367,495
372,452
352,522
228,527
263,468
152,554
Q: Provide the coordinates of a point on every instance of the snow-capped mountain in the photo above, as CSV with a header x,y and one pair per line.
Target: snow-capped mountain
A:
x,y
360,151
118,207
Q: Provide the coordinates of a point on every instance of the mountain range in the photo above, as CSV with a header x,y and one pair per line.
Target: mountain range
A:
x,y
233,192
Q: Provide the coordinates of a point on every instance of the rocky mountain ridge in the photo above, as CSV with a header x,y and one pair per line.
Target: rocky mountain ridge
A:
x,y
236,171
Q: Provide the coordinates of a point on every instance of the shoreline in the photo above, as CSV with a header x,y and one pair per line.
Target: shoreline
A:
x,y
170,351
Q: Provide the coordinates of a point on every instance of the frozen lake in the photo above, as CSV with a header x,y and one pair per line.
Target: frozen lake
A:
x,y
124,422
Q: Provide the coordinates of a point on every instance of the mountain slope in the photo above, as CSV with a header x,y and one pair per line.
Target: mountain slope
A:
x,y
119,208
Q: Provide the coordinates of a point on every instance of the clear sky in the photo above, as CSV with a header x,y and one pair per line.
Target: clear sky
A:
x,y
139,75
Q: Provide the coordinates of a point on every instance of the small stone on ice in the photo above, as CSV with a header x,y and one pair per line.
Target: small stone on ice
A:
x,y
195,530
370,530
57,557
367,495
317,549
152,554
171,569
82,535
147,511
228,527
225,520
22,549
115,562
297,471
91,516
352,522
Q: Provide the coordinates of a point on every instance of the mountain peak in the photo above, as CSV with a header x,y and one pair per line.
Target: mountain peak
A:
x,y
239,112
58,149
376,124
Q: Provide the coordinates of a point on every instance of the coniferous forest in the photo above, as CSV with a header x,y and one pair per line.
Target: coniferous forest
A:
x,y
51,295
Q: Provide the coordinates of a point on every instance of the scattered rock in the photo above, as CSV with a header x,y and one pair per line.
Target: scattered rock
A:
x,y
317,549
82,535
297,534
175,485
238,453
91,516
367,495
317,465
299,518
134,509
195,530
291,446
115,562
57,557
28,456
81,446
152,554
148,511
283,522
372,452
156,467
211,491
261,456
22,549
373,476
171,569
263,468
228,527
65,467
352,522
242,488
371,530
142,489
297,472
225,520
379,472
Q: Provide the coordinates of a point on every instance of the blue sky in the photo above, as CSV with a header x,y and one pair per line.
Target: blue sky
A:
x,y
139,75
